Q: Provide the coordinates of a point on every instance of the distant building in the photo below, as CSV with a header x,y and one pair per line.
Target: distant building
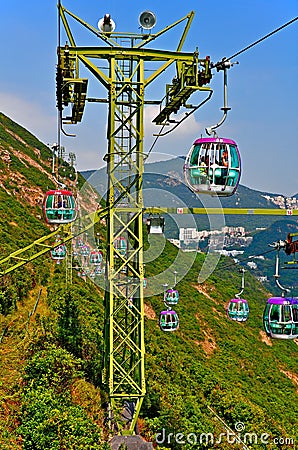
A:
x,y
263,279
282,202
187,234
226,237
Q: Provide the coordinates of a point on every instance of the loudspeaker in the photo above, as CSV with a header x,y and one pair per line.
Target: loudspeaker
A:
x,y
106,24
147,20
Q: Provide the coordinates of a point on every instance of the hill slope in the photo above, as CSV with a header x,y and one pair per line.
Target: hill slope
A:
x,y
210,372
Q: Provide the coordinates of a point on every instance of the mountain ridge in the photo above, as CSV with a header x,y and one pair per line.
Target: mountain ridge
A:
x,y
172,169
164,186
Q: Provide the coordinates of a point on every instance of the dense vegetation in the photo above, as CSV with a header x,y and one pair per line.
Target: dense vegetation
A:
x,y
213,362
208,377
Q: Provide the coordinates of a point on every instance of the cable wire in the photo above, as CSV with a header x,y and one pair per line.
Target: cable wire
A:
x,y
263,38
231,57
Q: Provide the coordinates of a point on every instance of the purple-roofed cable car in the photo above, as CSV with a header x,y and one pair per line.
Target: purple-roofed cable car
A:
x,y
213,166
98,270
168,320
281,318
80,243
238,309
84,250
171,297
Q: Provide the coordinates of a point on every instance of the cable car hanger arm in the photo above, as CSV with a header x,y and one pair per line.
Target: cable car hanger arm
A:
x,y
225,64
276,275
242,283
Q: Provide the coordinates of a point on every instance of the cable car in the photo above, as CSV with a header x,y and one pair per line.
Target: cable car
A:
x,y
59,253
213,166
98,270
84,250
120,244
171,297
281,318
168,320
155,225
95,257
80,243
59,207
238,309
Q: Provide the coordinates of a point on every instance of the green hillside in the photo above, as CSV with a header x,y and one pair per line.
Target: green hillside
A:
x,y
205,381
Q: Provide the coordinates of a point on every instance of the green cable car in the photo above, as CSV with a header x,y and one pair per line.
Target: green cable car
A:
x,y
59,207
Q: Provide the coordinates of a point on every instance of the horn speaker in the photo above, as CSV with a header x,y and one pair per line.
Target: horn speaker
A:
x,y
147,20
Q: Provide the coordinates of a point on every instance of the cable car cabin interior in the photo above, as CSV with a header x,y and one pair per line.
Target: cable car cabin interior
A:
x,y
59,207
168,320
238,309
213,166
155,225
171,297
281,318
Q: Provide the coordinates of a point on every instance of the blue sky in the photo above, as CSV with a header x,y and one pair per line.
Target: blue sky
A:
x,y
263,92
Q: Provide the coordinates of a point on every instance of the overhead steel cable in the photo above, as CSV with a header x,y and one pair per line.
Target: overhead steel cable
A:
x,y
260,40
228,59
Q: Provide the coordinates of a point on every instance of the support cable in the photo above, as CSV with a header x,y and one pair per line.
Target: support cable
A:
x,y
216,65
260,40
